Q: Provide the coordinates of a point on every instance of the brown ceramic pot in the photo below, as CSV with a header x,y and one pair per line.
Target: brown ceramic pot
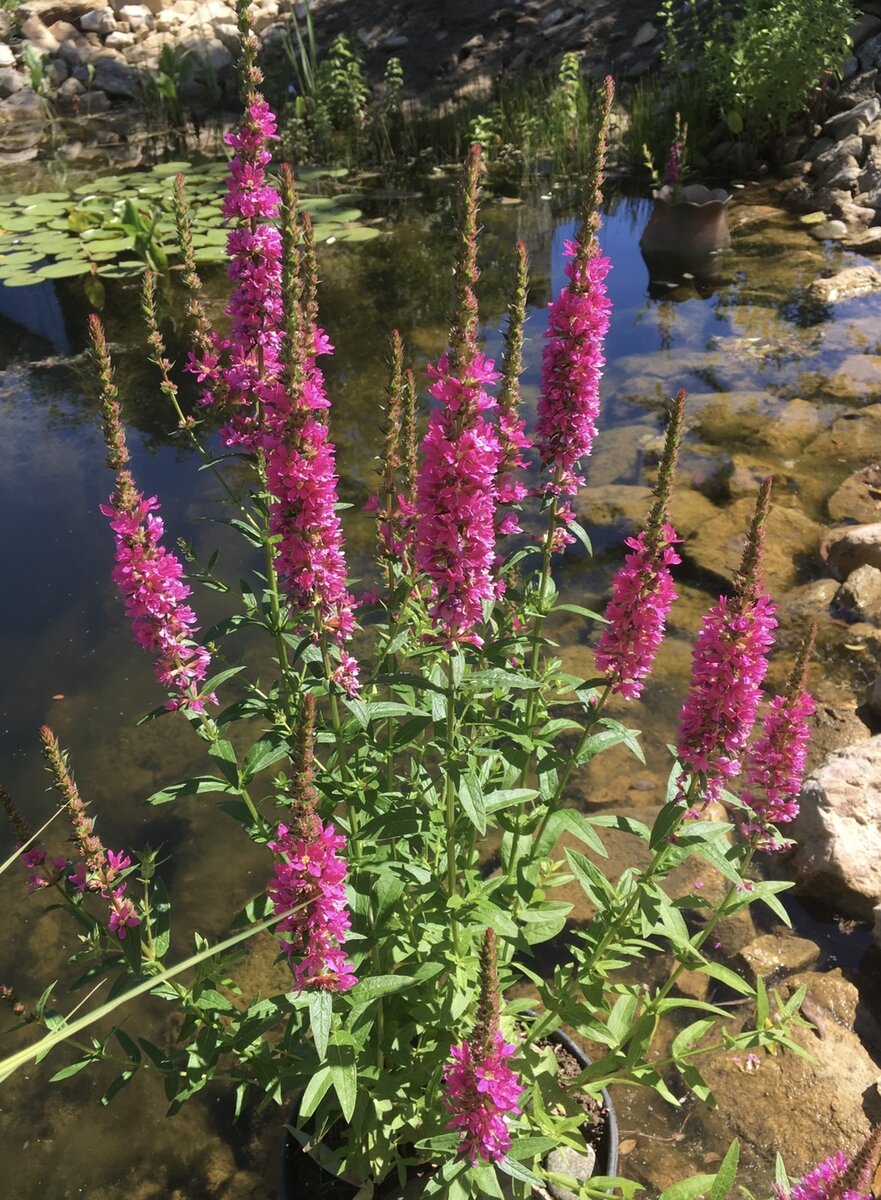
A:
x,y
691,225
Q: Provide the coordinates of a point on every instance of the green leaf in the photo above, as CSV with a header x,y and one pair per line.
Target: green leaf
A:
x,y
471,799
197,786
665,822
727,1173
344,1073
224,752
593,883
320,1017
688,1189
263,754
781,1178
316,1090
523,1148
727,976
374,986
71,1069
517,1171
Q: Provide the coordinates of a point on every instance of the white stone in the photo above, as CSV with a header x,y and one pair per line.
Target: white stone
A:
x,y
168,21
119,40
98,20
838,830
7,58
138,17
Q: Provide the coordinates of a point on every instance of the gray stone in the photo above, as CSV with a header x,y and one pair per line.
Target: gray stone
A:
x,y
859,597
577,1166
69,89
137,16
849,67
869,53
870,177
11,81
837,154
845,285
865,26
820,146
57,72
396,42
62,31
98,20
646,33
829,231
92,103
871,135
867,241
77,52
854,121
876,930
22,106
838,831
852,547
114,76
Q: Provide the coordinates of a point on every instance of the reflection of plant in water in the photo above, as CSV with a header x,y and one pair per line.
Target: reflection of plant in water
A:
x,y
161,92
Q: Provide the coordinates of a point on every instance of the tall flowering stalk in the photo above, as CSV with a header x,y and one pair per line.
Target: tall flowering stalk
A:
x,y
775,763
149,577
729,662
300,465
482,1089
310,878
513,439
237,370
573,361
99,868
840,1176
643,591
34,856
456,488
392,507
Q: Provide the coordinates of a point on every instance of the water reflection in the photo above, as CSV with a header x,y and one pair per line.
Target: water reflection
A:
x,y
743,353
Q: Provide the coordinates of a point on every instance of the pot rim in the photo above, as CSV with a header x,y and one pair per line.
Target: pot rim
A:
x,y
693,195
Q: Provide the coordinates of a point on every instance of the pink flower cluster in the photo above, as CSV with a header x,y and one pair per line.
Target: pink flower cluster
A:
x,y
642,595
456,496
673,169
96,873
310,876
827,1181
150,580
775,766
237,368
572,366
35,860
482,1091
728,666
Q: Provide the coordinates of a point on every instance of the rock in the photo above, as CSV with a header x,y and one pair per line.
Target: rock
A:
x,y
119,40
69,91
836,155
869,179
34,31
93,102
869,53
867,241
846,285
809,600
646,33
137,16
396,42
829,231
857,379
57,72
98,20
854,438
857,546
22,106
578,1166
62,31
854,121
779,954
859,497
863,27
168,21
7,58
838,831
760,1104
872,135
717,545
114,76
876,928
77,52
820,146
859,597
11,81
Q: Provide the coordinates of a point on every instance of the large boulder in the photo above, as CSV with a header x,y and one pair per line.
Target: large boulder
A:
x,y
859,497
853,546
846,285
838,831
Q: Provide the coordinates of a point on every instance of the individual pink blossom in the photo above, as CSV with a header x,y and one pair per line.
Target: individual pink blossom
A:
x,y
482,1092
310,876
642,595
150,579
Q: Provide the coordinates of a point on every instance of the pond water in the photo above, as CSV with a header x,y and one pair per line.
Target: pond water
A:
x,y
767,381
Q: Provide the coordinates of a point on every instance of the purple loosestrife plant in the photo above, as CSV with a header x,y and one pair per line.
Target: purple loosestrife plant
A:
x,y
404,811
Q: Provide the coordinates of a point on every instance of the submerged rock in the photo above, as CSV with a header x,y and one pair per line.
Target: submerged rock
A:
x,y
859,497
847,549
838,831
717,545
846,285
859,597
773,954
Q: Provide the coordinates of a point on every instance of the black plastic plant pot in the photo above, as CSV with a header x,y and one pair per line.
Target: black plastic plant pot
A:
x,y
303,1179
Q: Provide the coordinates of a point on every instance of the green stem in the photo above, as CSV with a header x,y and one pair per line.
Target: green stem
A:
x,y
450,802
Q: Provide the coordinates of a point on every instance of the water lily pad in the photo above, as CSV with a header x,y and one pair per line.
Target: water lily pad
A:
x,y
343,216
22,280
64,270
362,233
118,243
17,224
172,168
40,198
210,254
114,271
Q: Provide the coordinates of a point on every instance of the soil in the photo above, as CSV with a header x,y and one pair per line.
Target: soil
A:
x,y
461,47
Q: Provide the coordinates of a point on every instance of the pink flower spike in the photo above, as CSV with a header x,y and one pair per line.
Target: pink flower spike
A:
x,y
482,1092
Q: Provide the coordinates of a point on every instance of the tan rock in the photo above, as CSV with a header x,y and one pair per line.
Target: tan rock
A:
x,y
779,954
846,285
